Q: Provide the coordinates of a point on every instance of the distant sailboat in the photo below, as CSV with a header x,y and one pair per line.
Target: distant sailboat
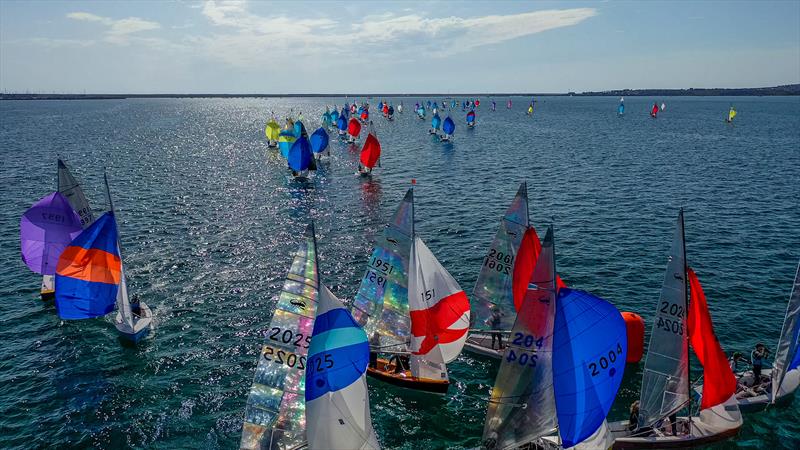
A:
x,y
341,126
272,131
471,119
561,370
390,112
731,115
508,105
530,109
448,127
436,122
277,397
370,155
654,111
353,130
678,325
319,142
301,159
621,107
663,106
326,118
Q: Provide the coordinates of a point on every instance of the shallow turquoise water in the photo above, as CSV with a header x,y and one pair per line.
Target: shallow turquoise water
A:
x,y
208,223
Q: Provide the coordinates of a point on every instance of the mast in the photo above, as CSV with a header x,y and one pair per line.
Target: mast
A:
x,y
123,303
686,322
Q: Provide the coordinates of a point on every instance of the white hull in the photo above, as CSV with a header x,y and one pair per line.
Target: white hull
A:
x,y
757,398
481,344
141,326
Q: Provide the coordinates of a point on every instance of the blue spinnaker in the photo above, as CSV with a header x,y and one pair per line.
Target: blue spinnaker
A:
x,y
621,108
285,140
448,126
589,349
436,122
299,129
334,116
319,140
341,123
300,157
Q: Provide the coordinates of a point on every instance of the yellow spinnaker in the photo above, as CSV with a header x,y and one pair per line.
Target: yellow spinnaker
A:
x,y
731,114
273,130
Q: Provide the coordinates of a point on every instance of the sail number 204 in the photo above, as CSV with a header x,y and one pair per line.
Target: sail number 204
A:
x,y
521,356
499,261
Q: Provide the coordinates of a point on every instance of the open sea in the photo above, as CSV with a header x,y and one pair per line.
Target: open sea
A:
x,y
209,222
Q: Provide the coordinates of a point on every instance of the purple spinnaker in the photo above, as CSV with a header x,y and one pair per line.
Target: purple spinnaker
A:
x,y
45,230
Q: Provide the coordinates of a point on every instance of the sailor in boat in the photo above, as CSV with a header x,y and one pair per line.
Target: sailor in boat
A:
x,y
400,362
757,357
494,322
363,170
735,360
136,307
634,417
374,345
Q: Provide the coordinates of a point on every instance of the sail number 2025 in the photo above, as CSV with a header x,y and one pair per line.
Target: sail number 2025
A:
x,y
289,337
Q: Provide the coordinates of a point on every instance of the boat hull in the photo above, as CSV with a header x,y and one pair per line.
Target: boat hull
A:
x,y
480,344
385,372
623,440
141,327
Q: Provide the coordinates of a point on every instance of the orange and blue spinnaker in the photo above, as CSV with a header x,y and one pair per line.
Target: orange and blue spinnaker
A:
x,y
88,272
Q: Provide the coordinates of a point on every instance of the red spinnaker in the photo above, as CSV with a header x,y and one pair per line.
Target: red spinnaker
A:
x,y
654,111
524,265
354,127
371,151
719,382
435,323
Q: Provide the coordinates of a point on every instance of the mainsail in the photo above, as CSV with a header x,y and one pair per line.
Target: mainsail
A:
x,y
665,381
522,407
439,311
787,355
69,188
589,349
381,304
275,412
337,403
494,286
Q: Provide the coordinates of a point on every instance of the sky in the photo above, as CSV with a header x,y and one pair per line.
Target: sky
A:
x,y
363,46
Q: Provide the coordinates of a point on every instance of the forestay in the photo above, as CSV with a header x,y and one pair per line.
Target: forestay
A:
x,y
494,286
337,403
522,407
787,356
439,311
381,304
275,412
589,349
666,368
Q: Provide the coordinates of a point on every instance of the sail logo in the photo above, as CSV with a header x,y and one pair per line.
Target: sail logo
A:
x,y
435,324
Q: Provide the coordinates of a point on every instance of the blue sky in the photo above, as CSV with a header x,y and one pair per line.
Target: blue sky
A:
x,y
412,46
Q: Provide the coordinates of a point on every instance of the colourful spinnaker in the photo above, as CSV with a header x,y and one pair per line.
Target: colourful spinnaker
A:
x,y
337,402
88,272
45,230
371,152
589,349
436,122
300,156
448,126
319,140
272,130
471,117
275,414
285,140
719,383
354,128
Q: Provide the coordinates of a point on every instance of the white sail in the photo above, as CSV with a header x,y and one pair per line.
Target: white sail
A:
x,y
439,311
337,403
787,355
69,188
522,407
123,302
665,386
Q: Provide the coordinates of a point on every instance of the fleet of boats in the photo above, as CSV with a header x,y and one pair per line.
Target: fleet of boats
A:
x,y
562,352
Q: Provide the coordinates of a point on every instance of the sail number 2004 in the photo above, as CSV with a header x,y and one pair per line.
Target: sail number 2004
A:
x,y
605,361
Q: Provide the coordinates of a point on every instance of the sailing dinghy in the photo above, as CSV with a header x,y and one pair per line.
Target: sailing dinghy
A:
x,y
286,139
68,187
301,159
90,279
678,325
319,142
353,130
272,131
471,119
45,230
370,155
562,369
778,384
448,127
654,111
412,306
621,107
731,115
436,122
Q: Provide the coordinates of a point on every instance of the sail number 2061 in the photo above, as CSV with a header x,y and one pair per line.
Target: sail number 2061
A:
x,y
499,261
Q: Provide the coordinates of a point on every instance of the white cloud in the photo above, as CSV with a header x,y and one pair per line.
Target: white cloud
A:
x,y
247,39
118,30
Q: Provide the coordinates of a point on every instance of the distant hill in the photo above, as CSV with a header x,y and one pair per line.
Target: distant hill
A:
x,y
788,89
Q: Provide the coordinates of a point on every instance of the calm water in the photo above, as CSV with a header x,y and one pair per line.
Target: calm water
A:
x,y
208,223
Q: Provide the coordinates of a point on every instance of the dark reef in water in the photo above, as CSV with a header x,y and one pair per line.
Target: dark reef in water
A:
x,y
788,89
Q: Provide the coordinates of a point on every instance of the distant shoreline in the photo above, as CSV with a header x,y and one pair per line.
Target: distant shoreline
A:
x,y
789,89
